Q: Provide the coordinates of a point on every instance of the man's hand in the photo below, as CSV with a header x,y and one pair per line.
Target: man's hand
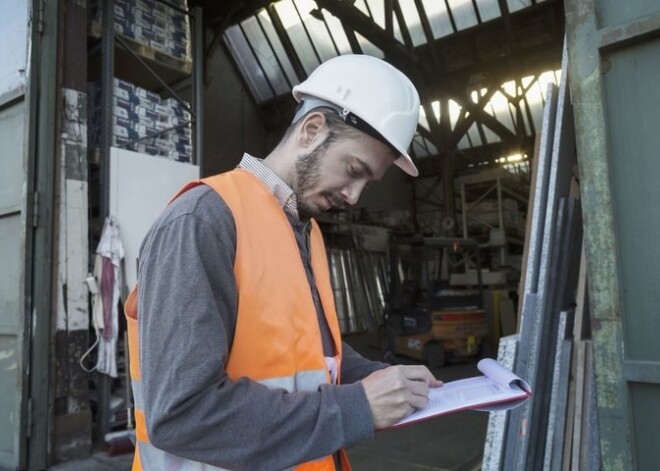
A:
x,y
395,392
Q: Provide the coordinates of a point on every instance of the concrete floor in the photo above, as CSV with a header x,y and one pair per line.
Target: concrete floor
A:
x,y
450,443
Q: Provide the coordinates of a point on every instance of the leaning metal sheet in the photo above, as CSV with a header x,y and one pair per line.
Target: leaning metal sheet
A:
x,y
497,421
539,357
538,209
558,441
560,377
591,458
560,291
515,429
535,331
538,206
561,171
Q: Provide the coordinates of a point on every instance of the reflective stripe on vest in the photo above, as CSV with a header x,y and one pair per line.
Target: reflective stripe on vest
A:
x,y
301,381
271,305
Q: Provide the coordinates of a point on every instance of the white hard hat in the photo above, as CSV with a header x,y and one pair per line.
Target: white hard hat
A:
x,y
368,90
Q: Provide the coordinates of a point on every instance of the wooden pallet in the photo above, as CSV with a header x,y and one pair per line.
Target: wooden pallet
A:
x,y
146,51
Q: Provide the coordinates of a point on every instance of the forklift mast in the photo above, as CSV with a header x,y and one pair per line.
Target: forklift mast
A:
x,y
426,318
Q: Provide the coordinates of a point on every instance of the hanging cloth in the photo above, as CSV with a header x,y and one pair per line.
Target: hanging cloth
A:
x,y
105,299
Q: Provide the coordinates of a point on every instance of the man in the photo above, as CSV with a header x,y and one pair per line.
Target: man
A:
x,y
236,356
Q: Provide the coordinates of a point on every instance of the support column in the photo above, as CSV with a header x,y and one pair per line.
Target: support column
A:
x,y
448,196
72,424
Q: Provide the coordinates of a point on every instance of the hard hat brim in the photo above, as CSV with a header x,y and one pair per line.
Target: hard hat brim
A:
x,y
311,102
405,163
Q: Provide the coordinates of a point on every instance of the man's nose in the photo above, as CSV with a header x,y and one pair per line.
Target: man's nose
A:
x,y
351,193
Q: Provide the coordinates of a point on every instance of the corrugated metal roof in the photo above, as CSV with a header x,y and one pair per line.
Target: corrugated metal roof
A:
x,y
316,35
529,93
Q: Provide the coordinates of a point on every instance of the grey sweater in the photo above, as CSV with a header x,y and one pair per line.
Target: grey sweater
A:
x,y
187,315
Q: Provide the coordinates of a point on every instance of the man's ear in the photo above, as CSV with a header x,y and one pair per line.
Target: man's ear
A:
x,y
311,128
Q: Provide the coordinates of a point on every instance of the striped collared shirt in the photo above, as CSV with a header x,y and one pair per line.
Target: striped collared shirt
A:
x,y
282,192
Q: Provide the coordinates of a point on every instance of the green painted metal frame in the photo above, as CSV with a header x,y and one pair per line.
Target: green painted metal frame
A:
x,y
42,153
42,102
589,42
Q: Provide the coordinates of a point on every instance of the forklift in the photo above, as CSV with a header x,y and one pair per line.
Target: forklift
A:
x,y
425,318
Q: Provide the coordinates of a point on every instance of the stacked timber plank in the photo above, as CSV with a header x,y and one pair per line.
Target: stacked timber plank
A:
x,y
555,429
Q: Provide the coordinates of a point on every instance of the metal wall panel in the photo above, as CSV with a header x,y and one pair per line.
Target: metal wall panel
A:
x,y
615,69
12,120
8,363
10,276
646,420
613,12
12,254
633,77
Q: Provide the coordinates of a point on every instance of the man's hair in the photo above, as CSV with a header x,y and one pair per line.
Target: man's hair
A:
x,y
337,127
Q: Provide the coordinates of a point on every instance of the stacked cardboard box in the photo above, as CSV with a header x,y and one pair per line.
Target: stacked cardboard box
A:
x,y
151,23
138,113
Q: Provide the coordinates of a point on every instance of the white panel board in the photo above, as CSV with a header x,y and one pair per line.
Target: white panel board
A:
x,y
140,187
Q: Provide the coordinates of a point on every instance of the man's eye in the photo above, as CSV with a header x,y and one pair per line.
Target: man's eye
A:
x,y
354,171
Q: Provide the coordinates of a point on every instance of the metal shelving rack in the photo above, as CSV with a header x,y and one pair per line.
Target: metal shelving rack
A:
x,y
492,188
109,41
110,44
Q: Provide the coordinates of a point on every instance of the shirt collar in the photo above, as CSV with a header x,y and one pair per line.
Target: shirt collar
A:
x,y
282,192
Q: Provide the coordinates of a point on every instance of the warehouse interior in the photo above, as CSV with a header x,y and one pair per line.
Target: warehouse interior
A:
x,y
500,239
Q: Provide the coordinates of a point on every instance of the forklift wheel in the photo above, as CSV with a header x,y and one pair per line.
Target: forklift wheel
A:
x,y
434,354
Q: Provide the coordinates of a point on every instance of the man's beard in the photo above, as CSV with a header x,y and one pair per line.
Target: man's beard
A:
x,y
308,174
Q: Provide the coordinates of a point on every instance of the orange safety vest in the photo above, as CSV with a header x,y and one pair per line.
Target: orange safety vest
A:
x,y
275,305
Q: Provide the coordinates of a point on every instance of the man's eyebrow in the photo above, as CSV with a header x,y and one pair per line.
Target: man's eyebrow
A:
x,y
365,167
